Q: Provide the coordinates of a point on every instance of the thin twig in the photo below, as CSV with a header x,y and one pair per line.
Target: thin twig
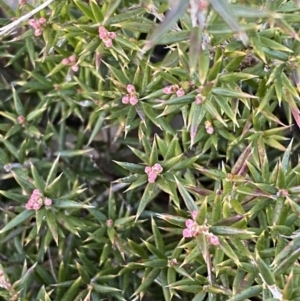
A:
x,y
10,27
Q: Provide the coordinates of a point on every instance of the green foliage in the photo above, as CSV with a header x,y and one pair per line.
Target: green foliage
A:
x,y
130,174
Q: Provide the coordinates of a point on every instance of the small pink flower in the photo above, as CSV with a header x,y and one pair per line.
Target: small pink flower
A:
x,y
180,92
75,68
36,206
187,233
198,99
102,29
130,89
38,32
28,206
133,100
112,35
42,21
125,99
36,192
103,35
65,61
168,90
190,223
107,42
152,174
72,58
148,169
157,167
214,240
210,130
47,202
151,179
33,23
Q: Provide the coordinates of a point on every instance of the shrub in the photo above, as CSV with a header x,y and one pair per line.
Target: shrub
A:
x,y
149,150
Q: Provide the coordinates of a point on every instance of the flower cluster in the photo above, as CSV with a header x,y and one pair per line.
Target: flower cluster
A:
x,y
153,172
174,89
36,201
131,97
37,25
193,229
106,36
71,61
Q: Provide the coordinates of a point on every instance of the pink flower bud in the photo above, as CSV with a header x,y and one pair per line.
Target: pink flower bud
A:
x,y
75,68
130,89
36,206
152,174
198,99
42,20
167,90
148,169
38,32
157,167
125,99
180,92
103,35
189,223
214,240
187,233
36,192
107,42
112,35
72,58
47,202
209,130
65,61
33,23
151,179
133,100
102,29
28,206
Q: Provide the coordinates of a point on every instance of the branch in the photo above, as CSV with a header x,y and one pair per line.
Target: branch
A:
x,y
10,27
